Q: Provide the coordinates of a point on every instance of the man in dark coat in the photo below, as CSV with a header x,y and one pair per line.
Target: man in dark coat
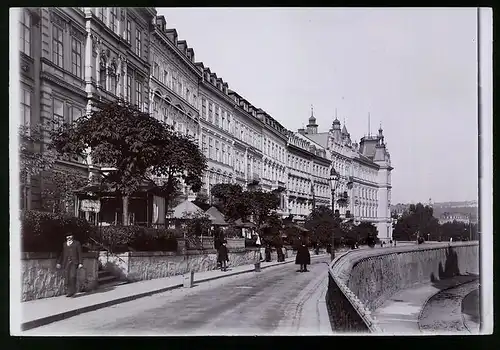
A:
x,y
223,256
303,257
71,260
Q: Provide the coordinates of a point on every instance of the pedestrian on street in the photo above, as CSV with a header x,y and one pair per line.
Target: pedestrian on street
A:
x,y
223,256
303,257
71,260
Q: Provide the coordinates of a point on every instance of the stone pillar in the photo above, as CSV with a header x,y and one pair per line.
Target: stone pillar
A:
x,y
125,78
98,66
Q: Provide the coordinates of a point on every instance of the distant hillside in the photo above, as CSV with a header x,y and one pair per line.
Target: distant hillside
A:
x,y
466,207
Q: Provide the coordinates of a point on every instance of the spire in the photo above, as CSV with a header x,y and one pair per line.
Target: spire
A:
x,y
369,128
312,120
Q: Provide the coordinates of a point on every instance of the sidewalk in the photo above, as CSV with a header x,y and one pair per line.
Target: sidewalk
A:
x,y
401,312
40,312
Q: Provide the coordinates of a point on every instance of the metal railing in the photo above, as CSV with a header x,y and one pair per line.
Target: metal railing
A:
x,y
107,250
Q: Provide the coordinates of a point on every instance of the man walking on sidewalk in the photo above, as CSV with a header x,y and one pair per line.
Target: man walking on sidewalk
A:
x,y
71,260
223,256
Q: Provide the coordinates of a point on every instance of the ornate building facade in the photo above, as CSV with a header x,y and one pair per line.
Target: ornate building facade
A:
x,y
365,174
73,59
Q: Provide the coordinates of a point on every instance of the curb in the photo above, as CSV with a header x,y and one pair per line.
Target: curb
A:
x,y
64,315
441,291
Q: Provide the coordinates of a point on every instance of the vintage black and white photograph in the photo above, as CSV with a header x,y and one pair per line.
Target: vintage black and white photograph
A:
x,y
250,171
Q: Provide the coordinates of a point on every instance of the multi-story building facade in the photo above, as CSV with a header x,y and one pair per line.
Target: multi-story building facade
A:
x,y
365,174
274,152
74,58
452,217
247,142
174,81
308,175
217,124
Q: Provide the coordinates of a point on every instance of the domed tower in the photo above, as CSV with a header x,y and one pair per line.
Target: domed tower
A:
x,y
380,136
312,127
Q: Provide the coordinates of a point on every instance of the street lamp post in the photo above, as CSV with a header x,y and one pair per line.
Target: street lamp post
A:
x,y
334,181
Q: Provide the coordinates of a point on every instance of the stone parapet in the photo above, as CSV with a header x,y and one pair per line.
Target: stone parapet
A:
x,y
139,266
41,279
362,280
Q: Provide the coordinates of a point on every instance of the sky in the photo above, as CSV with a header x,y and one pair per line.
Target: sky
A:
x,y
413,70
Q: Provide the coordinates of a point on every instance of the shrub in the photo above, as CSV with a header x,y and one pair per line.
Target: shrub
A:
x,y
250,242
120,239
45,232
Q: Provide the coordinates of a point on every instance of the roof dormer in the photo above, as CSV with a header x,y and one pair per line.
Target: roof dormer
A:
x,y
171,35
161,22
190,54
182,46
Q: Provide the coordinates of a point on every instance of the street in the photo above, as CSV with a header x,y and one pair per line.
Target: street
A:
x,y
278,300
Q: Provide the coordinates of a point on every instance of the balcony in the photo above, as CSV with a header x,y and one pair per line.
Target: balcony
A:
x,y
253,179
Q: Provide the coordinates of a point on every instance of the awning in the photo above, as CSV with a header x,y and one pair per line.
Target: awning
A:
x,y
240,223
216,217
183,208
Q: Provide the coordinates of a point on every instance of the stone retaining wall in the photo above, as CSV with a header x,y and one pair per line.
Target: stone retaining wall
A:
x,y
139,266
41,279
362,280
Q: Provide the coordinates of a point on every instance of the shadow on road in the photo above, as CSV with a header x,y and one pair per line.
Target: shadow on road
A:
x,y
470,305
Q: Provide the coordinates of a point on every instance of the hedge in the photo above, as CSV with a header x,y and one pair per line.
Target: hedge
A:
x,y
45,232
121,239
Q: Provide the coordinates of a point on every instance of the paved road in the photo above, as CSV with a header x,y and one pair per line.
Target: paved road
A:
x,y
278,300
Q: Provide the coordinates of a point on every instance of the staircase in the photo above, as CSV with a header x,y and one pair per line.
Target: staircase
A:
x,y
106,279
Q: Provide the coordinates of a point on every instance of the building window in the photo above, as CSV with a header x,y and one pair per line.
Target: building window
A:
x,y
112,83
58,112
74,113
102,77
113,19
76,57
217,115
204,144
217,154
188,95
57,46
129,88
204,108
26,32
165,77
138,43
128,33
103,16
25,107
138,94
156,70
210,112
224,120
210,148
224,160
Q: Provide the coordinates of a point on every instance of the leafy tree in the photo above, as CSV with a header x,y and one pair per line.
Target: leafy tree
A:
x,y
33,160
417,221
58,195
139,148
367,232
262,204
322,222
230,202
271,232
196,224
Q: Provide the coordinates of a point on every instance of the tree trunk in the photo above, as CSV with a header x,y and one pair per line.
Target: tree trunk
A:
x,y
125,210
